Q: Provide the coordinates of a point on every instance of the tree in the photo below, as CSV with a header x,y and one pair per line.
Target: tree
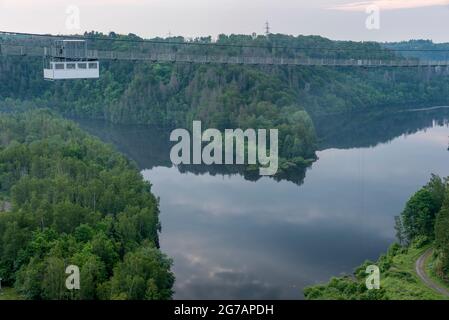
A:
x,y
75,201
400,232
143,275
53,282
419,215
92,274
442,241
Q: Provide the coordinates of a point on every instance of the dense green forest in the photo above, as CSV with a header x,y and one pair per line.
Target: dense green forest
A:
x,y
227,96
75,201
422,224
430,50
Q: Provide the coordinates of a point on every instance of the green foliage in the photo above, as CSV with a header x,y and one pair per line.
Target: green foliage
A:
x,y
344,288
418,217
142,275
424,219
442,241
429,49
226,96
75,201
398,280
9,294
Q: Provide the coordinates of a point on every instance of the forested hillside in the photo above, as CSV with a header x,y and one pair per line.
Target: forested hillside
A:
x,y
228,96
422,224
430,50
75,201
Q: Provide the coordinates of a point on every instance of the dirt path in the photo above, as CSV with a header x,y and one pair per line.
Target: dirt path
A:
x,y
421,271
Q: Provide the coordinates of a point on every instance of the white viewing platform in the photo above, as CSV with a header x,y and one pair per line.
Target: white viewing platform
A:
x,y
60,70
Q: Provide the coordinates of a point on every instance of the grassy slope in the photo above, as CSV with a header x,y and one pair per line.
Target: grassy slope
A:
x,y
432,274
398,282
9,294
401,281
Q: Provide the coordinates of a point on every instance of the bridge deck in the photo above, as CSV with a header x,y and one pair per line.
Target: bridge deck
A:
x,y
10,50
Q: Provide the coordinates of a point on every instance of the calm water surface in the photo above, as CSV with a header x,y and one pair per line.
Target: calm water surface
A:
x,y
231,238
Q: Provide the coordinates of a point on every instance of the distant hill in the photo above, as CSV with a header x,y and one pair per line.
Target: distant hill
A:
x,y
434,51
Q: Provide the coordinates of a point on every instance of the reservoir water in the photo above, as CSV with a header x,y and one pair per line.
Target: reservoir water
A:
x,y
231,238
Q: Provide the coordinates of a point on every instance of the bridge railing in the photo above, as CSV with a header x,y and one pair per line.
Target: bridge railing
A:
x,y
217,59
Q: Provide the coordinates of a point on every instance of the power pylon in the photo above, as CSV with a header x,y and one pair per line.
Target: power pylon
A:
x,y
267,28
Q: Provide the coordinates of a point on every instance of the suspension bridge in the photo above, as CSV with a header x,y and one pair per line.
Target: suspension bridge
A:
x,y
164,57
69,57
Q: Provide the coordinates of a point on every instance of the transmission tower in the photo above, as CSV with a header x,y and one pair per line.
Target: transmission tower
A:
x,y
267,28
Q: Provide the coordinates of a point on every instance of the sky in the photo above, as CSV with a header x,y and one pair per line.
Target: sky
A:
x,y
364,20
